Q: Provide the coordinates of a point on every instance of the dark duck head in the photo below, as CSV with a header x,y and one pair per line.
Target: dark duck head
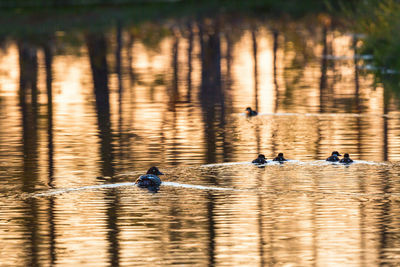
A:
x,y
250,112
334,157
150,180
260,159
154,171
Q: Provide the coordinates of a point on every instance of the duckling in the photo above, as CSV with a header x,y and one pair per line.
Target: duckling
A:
x,y
250,112
280,158
260,160
334,157
346,159
150,179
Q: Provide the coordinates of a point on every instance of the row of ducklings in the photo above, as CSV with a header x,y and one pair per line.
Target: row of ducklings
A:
x,y
262,160
335,158
152,181
280,158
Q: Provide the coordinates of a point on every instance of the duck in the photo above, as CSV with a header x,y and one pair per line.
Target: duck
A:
x,y
260,159
334,157
150,179
250,112
346,159
280,158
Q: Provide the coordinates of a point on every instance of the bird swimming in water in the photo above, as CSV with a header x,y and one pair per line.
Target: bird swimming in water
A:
x,y
260,159
346,159
334,157
250,112
280,158
150,179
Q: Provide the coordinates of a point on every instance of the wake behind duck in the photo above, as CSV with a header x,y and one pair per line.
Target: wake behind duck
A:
x,y
55,192
152,182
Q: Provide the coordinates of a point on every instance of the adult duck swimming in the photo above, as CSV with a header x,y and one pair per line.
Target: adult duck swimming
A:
x,y
150,179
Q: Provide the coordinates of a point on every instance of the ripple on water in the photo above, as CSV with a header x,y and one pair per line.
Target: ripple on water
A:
x,y
238,210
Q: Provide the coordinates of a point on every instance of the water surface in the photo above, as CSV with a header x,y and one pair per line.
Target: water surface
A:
x,y
83,114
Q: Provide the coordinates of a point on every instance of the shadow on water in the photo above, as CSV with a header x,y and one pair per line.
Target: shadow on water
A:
x,y
212,103
97,48
28,102
211,95
323,80
48,53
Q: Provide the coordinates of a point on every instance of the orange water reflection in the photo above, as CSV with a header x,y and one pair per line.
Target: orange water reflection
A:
x,y
117,103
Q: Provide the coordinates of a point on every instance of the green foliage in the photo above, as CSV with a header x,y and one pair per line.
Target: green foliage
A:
x,y
381,24
379,21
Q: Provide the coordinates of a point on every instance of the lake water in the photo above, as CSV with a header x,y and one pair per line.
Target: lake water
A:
x,y
83,114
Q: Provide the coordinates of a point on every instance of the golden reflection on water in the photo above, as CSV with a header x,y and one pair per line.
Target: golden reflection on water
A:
x,y
179,104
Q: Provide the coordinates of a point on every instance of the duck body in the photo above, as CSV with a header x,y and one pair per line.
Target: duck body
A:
x,y
150,179
260,159
334,157
280,158
251,112
346,159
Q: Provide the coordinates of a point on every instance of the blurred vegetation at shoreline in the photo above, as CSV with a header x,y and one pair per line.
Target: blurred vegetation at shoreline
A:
x,y
272,5
24,17
378,21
